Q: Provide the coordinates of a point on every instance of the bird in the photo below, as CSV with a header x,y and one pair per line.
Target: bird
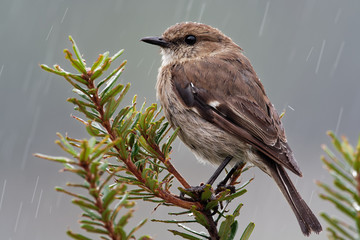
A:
x,y
210,91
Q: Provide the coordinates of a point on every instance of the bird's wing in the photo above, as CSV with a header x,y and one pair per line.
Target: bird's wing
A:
x,y
228,94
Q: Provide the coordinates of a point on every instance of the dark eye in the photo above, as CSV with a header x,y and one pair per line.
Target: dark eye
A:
x,y
190,39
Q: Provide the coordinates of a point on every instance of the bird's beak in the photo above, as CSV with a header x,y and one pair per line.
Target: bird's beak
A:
x,y
156,41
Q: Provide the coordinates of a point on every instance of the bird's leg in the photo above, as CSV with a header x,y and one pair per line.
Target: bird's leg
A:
x,y
197,190
222,185
219,170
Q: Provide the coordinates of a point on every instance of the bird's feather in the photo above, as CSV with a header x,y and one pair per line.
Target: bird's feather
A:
x,y
233,98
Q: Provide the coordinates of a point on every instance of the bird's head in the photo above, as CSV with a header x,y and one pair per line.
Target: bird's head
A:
x,y
188,40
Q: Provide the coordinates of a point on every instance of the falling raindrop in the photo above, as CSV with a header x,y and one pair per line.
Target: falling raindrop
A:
x,y
58,200
18,217
201,12
7,147
264,19
292,55
188,9
309,54
178,11
339,120
296,182
36,184
311,197
2,67
64,15
320,56
255,212
47,37
140,62
38,205
291,107
31,137
46,87
338,14
151,67
226,19
27,78
337,58
2,194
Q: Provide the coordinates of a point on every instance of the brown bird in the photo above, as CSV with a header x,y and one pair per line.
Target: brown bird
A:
x,y
209,89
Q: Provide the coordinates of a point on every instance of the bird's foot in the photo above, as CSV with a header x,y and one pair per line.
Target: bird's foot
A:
x,y
223,186
203,192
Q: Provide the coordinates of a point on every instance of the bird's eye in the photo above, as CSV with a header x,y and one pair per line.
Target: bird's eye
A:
x,y
190,39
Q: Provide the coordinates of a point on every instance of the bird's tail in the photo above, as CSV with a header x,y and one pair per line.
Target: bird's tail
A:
x,y
306,218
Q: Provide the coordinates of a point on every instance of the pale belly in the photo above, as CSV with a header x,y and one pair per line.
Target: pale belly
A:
x,y
208,142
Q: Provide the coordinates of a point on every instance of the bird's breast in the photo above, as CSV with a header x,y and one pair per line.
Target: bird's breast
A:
x,y
208,142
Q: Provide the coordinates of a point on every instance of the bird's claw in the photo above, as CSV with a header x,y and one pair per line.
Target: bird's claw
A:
x,y
202,193
222,187
196,194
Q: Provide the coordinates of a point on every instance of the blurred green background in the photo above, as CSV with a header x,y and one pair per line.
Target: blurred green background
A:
x,y
306,53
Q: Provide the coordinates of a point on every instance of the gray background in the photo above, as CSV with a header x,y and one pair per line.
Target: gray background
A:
x,y
307,54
